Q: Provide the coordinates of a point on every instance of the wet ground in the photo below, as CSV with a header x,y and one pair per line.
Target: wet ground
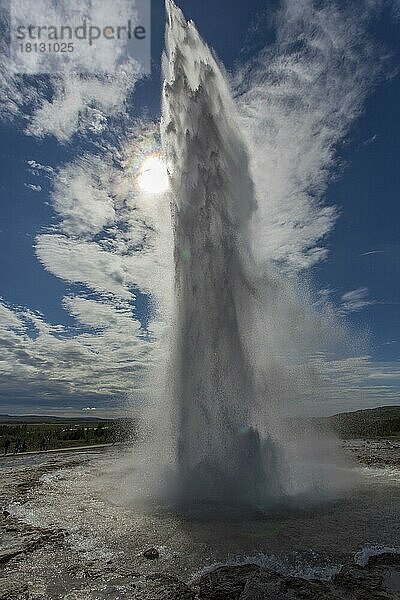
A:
x,y
69,529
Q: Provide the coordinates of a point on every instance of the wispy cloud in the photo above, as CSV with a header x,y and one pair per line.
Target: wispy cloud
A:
x,y
37,169
372,252
69,102
396,9
109,236
81,105
45,364
106,236
32,187
355,382
298,100
370,140
113,240
356,300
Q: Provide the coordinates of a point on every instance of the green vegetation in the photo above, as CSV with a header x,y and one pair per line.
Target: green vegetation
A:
x,y
382,422
25,436
48,433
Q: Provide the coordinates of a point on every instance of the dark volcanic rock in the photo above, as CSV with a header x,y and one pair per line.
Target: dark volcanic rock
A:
x,y
276,587
386,558
28,539
151,554
360,583
8,554
250,582
380,579
13,590
226,582
163,587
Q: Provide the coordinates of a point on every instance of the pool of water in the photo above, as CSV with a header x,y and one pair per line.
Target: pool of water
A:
x,y
87,496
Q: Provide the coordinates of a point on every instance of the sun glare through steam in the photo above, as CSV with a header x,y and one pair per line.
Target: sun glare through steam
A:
x,y
153,176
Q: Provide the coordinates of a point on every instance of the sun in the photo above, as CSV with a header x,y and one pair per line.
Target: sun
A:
x,y
153,175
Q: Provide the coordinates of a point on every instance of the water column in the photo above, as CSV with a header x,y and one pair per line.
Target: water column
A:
x,y
219,457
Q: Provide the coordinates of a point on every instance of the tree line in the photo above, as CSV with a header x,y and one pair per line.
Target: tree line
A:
x,y
23,437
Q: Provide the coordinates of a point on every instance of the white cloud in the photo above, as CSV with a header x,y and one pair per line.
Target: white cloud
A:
x,y
88,363
396,9
356,300
110,237
81,105
82,196
371,252
69,102
32,187
85,263
56,363
101,315
353,383
36,168
298,100
10,319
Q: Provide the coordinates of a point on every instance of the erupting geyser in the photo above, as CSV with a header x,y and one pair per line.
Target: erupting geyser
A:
x,y
229,443
219,455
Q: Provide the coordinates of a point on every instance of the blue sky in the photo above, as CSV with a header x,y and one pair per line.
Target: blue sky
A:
x,y
358,271
365,244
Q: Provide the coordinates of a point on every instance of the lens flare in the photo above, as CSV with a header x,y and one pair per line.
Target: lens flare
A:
x,y
153,175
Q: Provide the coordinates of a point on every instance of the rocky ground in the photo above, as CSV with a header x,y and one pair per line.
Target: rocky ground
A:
x,y
63,574
379,579
375,453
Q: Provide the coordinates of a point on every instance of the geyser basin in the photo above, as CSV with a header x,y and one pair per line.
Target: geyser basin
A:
x,y
80,494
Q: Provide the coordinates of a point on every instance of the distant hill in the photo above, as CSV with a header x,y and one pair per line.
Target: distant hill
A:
x,y
373,422
383,421
49,419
